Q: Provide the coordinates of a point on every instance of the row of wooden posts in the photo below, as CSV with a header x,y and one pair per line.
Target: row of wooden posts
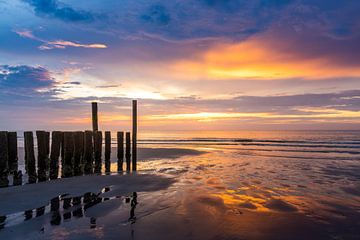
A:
x,y
80,151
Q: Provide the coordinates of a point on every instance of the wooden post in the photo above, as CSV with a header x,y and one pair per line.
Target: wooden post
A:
x,y
127,151
120,150
62,151
107,150
134,135
67,167
42,158
30,156
78,153
88,152
56,139
13,152
94,108
97,150
47,138
4,159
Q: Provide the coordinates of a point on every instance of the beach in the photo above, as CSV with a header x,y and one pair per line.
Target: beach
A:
x,y
289,185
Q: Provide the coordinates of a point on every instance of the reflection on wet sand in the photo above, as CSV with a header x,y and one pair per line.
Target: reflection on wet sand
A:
x,y
63,209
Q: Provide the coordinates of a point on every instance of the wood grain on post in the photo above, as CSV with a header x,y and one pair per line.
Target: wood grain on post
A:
x,y
88,152
94,108
120,150
12,152
78,153
42,154
30,156
97,151
134,135
107,150
67,167
128,151
4,159
56,139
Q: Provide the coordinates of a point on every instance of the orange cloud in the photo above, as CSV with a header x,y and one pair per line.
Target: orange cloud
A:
x,y
258,59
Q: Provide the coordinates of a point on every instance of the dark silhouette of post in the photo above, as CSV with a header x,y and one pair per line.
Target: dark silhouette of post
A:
x,y
134,134
97,150
42,147
128,151
30,156
56,140
107,150
120,150
78,153
47,136
94,108
88,152
13,152
67,167
4,159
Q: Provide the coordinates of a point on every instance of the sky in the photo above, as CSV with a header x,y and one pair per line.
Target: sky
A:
x,y
192,64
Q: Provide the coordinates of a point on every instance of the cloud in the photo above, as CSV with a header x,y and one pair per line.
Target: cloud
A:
x,y
63,44
58,44
25,86
264,58
25,77
55,9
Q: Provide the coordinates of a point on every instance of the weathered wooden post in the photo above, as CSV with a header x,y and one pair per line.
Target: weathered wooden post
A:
x,y
97,150
107,150
134,135
128,151
47,137
67,167
56,141
120,150
88,152
78,153
94,108
42,158
62,151
4,159
30,156
12,151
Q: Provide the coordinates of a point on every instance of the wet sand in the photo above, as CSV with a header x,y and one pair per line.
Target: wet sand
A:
x,y
202,192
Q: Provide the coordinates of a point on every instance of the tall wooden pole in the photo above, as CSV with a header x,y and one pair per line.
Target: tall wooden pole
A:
x,y
134,134
94,108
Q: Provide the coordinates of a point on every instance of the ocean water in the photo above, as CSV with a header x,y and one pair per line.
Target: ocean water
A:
x,y
227,185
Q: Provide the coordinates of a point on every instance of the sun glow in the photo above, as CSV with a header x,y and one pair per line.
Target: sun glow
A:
x,y
253,59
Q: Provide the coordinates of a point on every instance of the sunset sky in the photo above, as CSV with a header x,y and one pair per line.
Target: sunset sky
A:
x,y
192,64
